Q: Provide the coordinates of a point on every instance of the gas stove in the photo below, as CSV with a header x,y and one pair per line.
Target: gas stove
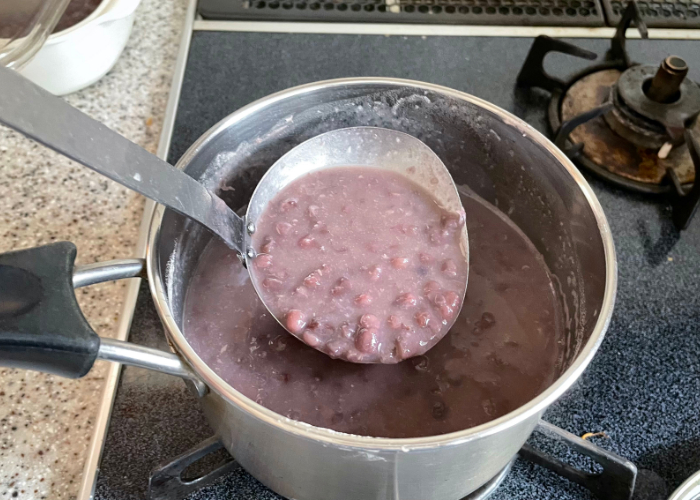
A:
x,y
636,405
632,124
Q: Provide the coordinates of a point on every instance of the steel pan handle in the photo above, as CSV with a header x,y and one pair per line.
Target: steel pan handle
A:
x,y
42,327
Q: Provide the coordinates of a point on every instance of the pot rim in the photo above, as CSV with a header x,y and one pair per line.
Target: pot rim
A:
x,y
304,430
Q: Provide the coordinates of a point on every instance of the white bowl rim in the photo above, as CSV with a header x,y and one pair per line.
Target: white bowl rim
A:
x,y
93,17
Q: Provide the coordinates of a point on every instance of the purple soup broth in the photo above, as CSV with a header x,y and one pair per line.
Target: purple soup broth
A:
x,y
361,264
503,350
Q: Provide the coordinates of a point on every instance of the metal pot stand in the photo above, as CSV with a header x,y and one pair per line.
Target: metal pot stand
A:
x,y
616,480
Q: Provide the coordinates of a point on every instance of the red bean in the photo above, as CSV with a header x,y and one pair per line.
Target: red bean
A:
x,y
363,300
374,247
452,221
421,363
341,286
446,312
288,204
335,348
280,274
263,261
400,262
308,242
369,321
272,284
320,227
268,245
431,287
426,258
394,322
366,340
295,321
313,211
439,236
423,319
302,291
487,321
311,339
452,299
403,351
347,331
449,268
283,228
313,280
375,272
407,300
447,307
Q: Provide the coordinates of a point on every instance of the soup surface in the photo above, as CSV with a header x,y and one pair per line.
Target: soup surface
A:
x,y
361,263
502,351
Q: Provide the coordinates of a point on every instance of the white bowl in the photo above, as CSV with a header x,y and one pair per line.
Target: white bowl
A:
x,y
78,56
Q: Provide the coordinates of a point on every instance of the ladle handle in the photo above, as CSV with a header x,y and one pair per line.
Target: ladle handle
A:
x,y
47,119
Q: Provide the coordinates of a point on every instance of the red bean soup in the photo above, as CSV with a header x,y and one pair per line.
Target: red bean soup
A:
x,y
504,349
361,263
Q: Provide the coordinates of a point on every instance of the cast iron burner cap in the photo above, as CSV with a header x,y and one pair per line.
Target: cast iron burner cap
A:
x,y
639,139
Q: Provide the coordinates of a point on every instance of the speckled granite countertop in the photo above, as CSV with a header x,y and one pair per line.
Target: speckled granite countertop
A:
x,y
46,422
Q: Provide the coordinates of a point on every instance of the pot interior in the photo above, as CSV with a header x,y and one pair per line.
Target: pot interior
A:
x,y
494,155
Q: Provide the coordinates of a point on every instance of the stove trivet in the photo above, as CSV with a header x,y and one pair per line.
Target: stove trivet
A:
x,y
630,124
167,483
658,13
616,481
491,12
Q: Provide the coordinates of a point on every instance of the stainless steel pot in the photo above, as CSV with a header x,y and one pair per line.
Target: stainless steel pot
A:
x,y
492,152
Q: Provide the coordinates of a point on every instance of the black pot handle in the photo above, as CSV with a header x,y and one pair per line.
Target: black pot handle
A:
x,y
41,325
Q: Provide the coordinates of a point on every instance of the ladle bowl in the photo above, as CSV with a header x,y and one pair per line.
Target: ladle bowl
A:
x,y
373,147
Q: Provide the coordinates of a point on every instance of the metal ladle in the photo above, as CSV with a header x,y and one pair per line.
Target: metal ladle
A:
x,y
51,121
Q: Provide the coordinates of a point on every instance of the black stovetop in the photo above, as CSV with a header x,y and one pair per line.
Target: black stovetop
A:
x,y
643,387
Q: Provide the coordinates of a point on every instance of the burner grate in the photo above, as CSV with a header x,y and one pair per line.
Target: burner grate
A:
x,y
659,14
489,12
614,478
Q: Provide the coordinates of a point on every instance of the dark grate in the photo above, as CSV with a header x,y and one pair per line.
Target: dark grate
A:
x,y
662,14
494,12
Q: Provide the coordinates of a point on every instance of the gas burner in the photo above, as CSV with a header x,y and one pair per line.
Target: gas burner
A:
x,y
615,481
631,124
